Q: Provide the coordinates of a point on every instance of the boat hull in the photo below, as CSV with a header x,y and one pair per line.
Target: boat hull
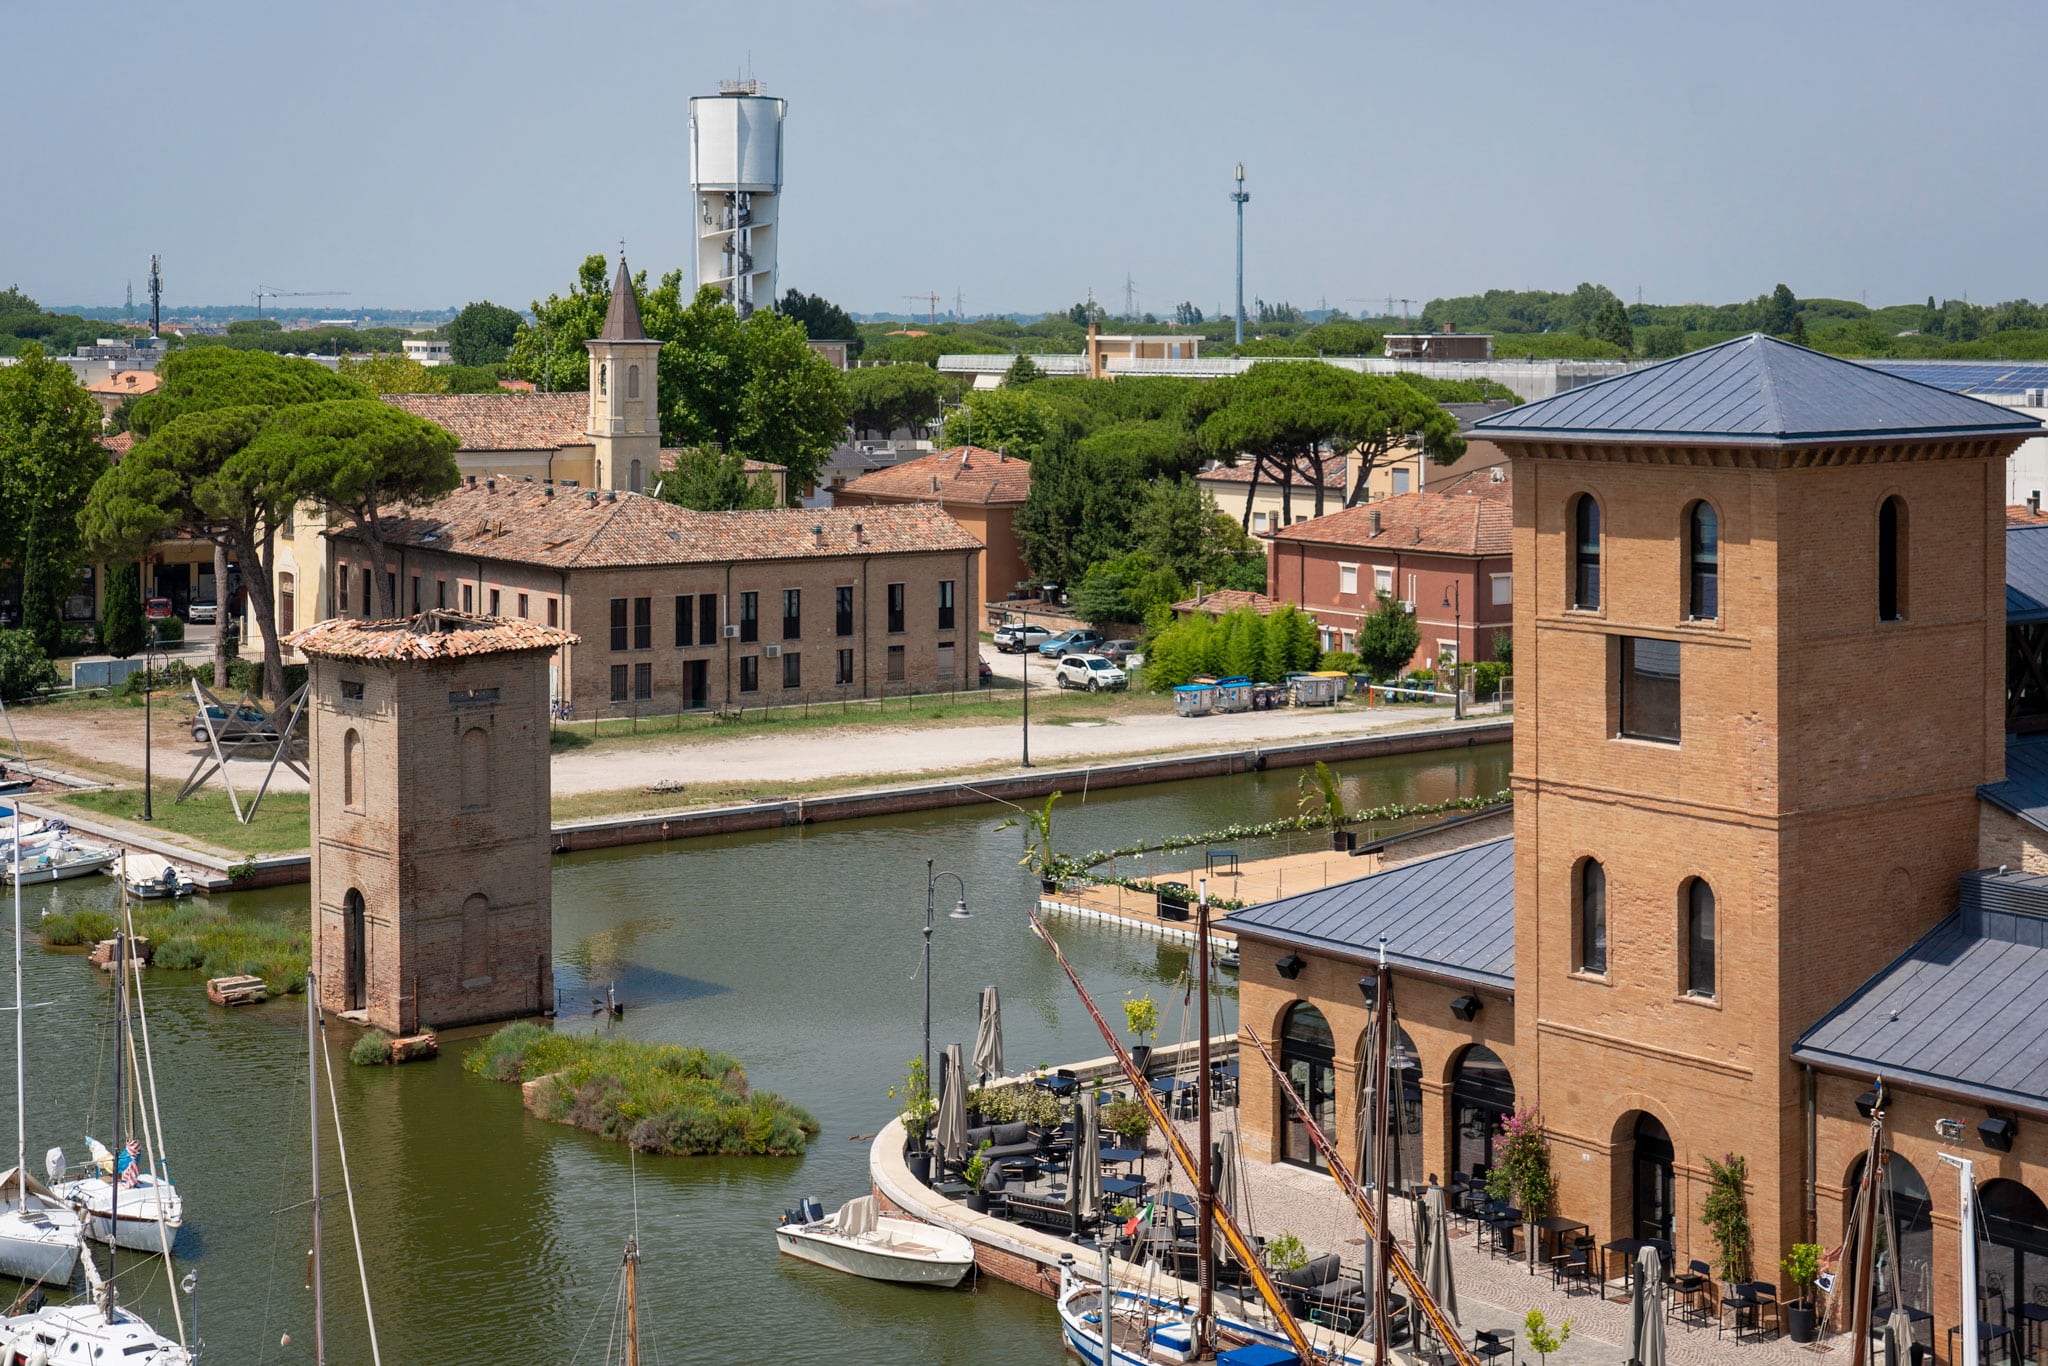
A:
x,y
41,1250
57,870
138,1227
878,1260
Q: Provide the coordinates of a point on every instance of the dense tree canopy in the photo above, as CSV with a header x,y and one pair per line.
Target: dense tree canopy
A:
x,y
481,334
715,481
822,320
24,323
50,455
883,399
1388,639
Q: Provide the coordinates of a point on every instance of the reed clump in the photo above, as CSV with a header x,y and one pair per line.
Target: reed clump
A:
x,y
672,1099
190,935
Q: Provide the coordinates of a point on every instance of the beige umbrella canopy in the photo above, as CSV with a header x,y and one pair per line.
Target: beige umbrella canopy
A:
x,y
988,1036
951,1135
1084,1179
1646,1311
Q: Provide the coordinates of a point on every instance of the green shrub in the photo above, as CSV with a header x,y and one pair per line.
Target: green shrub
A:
x,y
1128,1119
1486,679
121,629
372,1050
1343,661
24,669
170,630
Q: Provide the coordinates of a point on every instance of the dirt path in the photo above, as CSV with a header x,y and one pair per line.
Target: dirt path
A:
x,y
802,755
111,739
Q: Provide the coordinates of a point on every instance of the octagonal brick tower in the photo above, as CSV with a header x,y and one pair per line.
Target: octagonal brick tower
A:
x,y
431,886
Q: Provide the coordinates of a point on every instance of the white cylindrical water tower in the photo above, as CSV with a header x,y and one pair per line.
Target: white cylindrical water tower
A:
x,y
736,173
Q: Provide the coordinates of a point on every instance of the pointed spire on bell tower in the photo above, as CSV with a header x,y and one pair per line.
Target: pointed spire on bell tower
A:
x,y
622,319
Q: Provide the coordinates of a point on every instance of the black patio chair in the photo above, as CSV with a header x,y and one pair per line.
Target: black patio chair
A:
x,y
1687,1290
1574,1268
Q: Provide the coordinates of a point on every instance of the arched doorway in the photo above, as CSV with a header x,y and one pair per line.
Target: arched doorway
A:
x,y
1404,1118
1308,1055
356,957
2012,1249
1904,1270
1654,1186
1482,1095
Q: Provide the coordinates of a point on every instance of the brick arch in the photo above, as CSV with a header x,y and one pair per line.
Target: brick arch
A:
x,y
1635,1103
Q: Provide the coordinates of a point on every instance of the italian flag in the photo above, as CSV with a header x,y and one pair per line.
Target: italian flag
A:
x,y
1138,1220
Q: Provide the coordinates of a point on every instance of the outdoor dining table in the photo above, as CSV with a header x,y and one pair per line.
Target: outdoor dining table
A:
x,y
1118,1157
1059,1086
1626,1249
1174,1089
1555,1228
1120,1186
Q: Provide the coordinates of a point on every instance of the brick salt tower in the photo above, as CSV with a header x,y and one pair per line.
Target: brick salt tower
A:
x,y
431,884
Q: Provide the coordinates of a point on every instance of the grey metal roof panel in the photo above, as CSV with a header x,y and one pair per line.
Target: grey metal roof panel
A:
x,y
1451,915
1964,1010
2026,574
2024,792
1756,389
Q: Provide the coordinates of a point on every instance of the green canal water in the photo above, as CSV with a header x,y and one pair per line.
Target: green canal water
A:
x,y
493,1238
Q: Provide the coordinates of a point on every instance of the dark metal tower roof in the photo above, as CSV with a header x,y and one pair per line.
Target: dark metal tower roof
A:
x,y
622,319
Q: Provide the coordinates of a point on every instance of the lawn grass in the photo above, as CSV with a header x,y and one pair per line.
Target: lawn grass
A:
x,y
194,934
282,824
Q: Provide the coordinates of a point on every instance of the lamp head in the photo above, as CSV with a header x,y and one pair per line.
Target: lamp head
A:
x,y
1465,1007
960,911
1290,967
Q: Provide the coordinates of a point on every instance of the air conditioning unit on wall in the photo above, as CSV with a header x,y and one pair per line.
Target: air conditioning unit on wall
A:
x,y
772,651
730,632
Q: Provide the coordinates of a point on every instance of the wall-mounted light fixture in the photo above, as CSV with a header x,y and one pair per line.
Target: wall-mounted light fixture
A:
x,y
1465,1007
1369,989
1290,967
1870,1101
1997,1133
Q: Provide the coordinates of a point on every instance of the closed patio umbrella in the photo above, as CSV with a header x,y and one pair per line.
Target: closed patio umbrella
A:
x,y
1898,1338
1646,1311
1436,1256
951,1135
1223,1171
988,1037
1084,1177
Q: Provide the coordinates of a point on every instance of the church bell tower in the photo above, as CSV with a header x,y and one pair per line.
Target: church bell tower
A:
x,y
624,424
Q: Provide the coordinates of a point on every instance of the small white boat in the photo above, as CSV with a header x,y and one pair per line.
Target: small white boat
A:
x,y
150,877
86,1332
141,1217
40,1237
860,1242
58,861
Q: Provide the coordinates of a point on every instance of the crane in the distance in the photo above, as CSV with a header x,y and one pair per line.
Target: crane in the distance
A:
x,y
930,301
263,291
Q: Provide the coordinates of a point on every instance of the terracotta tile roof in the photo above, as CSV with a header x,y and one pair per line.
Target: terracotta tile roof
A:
x,y
119,444
1305,473
1224,601
504,421
669,455
2016,514
1488,481
518,522
126,382
430,635
1466,523
963,474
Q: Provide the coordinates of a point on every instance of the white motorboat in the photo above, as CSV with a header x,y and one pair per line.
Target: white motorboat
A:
x,y
58,861
144,1217
40,1236
150,877
86,1332
860,1242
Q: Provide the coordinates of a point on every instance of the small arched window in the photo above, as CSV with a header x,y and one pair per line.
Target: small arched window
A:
x,y
633,477
1699,939
1703,563
603,378
476,938
1592,917
1585,585
352,770
632,381
1891,559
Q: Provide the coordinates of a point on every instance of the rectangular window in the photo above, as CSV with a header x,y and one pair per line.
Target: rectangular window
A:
x,y
792,669
895,609
945,661
469,597
842,611
440,592
686,628
621,632
1382,580
895,663
845,672
643,623
792,613
1260,522
391,587
369,598
945,604
1447,649
1503,590
1649,689
618,682
554,611
750,673
522,607
1347,578
415,594
707,618
750,617
341,587
1401,477
351,690
494,602
643,681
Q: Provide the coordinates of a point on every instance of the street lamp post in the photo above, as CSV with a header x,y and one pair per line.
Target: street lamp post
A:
x,y
148,650
1455,600
931,906
1025,626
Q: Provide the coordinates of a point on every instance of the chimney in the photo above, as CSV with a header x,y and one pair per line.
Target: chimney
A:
x,y
1200,592
1374,518
1002,455
472,480
490,486
2034,502
548,489
935,481
818,534
611,496
859,534
966,463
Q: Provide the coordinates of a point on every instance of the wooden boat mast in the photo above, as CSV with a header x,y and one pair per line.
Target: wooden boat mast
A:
x,y
1403,1269
632,1301
313,1137
1205,1183
1865,1262
1240,1245
1382,1175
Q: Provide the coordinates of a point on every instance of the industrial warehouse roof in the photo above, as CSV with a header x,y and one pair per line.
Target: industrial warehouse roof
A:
x,y
1755,390
962,474
505,421
520,522
1449,916
430,635
1964,1011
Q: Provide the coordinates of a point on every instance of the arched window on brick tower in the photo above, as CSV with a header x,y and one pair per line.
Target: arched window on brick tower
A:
x,y
355,938
476,938
1891,559
1592,908
476,769
1700,939
1584,588
1653,1180
352,770
1482,1095
1308,1054
1703,563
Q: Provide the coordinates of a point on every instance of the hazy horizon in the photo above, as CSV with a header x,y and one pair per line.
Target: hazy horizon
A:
x,y
424,157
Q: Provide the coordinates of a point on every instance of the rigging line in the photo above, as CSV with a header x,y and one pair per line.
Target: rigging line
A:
x,y
355,1229
591,1326
159,1160
163,1232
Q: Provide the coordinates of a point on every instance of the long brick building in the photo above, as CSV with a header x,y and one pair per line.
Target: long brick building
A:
x,y
1763,786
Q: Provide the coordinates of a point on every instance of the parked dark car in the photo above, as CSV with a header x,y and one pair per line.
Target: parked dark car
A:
x,y
246,721
1118,652
983,672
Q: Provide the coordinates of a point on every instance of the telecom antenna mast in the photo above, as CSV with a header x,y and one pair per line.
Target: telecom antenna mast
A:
x,y
736,174
1240,198
156,294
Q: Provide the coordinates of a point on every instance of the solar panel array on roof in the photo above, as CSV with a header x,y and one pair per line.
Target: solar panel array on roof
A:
x,y
1986,378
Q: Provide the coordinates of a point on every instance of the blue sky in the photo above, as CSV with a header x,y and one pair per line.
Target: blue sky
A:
x,y
429,154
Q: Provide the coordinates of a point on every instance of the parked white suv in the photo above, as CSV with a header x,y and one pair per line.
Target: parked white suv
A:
x,y
1092,672
1016,638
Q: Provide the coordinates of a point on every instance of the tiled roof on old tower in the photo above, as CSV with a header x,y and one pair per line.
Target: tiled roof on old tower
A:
x,y
622,319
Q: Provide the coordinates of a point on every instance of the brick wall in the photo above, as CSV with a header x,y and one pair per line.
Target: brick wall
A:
x,y
2003,839
1311,575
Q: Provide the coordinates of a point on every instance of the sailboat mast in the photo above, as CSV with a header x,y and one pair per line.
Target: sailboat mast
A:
x,y
633,1301
1861,1291
1205,1183
1382,1251
313,1137
20,1034
120,1145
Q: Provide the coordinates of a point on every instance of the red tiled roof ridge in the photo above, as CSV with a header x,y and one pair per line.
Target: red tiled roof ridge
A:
x,y
508,420
433,634
960,472
1459,523
1220,601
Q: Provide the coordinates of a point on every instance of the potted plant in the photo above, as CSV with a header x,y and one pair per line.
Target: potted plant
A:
x,y
913,1096
972,1174
1129,1120
1322,798
1039,855
1802,1269
1542,1341
1725,1212
1521,1173
1286,1254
